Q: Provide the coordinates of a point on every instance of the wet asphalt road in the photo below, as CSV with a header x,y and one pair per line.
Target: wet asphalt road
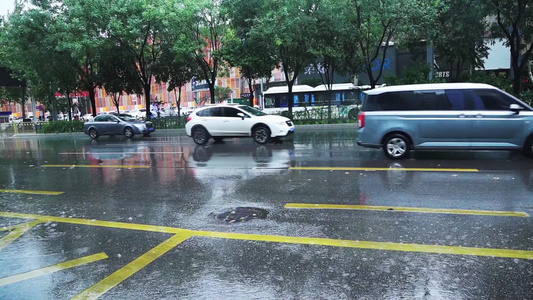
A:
x,y
198,252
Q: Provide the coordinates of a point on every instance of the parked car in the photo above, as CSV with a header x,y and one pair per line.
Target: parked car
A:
x,y
125,112
140,114
186,111
168,112
222,121
86,117
13,119
444,116
108,124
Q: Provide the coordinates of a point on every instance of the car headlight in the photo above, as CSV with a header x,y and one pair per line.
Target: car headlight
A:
x,y
140,126
281,123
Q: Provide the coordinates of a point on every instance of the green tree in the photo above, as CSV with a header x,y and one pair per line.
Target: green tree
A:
x,y
458,37
119,76
413,75
221,93
180,69
379,21
286,25
514,19
334,48
31,42
207,32
15,95
141,29
313,82
251,54
83,25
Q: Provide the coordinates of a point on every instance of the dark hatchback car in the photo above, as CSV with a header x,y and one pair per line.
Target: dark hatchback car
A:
x,y
116,125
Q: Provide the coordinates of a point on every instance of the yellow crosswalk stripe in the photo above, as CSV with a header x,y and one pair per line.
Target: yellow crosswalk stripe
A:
x,y
52,269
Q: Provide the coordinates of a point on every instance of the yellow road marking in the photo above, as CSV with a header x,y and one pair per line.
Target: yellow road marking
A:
x,y
52,269
31,192
133,267
16,232
456,250
9,228
382,169
92,222
494,252
97,166
410,209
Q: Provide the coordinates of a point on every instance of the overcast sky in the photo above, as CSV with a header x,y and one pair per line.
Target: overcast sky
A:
x,y
6,6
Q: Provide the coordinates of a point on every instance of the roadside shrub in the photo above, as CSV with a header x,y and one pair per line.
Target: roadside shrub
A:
x,y
61,127
320,115
489,78
169,122
527,97
413,75
286,114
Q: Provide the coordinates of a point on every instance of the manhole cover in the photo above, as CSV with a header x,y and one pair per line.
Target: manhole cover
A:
x,y
242,214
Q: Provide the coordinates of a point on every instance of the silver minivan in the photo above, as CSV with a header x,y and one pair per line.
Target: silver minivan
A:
x,y
444,116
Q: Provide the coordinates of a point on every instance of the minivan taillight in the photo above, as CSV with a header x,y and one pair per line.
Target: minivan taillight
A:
x,y
362,120
189,118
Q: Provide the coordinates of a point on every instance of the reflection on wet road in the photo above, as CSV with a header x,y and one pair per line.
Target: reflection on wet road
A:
x,y
148,218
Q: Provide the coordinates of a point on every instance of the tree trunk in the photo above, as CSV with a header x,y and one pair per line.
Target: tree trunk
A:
x,y
146,88
290,83
330,96
529,73
212,91
515,58
251,89
516,82
23,102
69,106
371,78
289,94
178,100
54,103
92,97
117,102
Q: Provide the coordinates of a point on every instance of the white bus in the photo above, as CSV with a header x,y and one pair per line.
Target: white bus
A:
x,y
345,99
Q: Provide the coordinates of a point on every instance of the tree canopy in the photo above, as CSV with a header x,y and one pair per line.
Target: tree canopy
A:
x,y
124,45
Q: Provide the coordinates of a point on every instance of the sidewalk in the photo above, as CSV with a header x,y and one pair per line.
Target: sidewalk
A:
x,y
181,131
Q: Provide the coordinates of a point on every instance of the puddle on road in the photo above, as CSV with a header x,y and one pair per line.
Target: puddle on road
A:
x,y
242,214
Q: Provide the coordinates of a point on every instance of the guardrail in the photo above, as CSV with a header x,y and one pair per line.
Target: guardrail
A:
x,y
322,115
22,127
40,127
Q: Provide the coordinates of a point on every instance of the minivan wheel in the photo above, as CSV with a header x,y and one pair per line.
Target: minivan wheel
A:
x,y
200,136
396,146
261,135
528,147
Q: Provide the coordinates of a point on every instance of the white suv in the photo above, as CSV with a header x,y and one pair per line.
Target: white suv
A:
x,y
221,121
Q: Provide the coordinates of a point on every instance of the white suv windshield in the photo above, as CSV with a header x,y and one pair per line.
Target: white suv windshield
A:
x,y
252,110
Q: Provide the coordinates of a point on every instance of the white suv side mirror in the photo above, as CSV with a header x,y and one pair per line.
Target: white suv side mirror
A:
x,y
241,115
